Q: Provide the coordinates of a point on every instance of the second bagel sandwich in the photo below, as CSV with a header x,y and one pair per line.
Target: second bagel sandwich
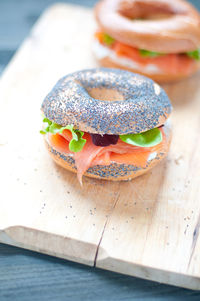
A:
x,y
156,38
107,123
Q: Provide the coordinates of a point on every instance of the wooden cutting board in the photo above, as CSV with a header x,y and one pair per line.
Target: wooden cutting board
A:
x,y
148,227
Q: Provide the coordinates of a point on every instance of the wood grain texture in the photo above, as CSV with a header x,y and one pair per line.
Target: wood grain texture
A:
x,y
51,200
148,227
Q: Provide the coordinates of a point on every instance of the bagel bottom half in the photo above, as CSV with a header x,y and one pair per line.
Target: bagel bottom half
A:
x,y
114,171
108,58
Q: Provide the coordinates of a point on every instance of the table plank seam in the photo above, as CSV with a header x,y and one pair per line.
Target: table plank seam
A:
x,y
104,228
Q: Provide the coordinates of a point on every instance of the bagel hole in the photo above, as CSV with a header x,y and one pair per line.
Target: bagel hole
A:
x,y
105,94
141,10
157,17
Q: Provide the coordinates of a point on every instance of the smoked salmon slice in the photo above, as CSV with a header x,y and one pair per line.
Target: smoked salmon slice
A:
x,y
92,155
169,63
84,158
59,143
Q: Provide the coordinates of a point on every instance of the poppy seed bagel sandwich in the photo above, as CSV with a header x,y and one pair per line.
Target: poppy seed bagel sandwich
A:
x,y
107,123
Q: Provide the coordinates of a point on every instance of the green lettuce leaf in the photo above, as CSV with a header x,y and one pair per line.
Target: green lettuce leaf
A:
x,y
148,53
76,145
77,142
147,139
108,40
194,54
47,125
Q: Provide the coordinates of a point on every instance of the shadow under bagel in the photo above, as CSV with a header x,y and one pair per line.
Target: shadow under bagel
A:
x,y
130,195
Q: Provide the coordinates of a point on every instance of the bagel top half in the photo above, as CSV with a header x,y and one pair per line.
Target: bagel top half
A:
x,y
157,25
107,101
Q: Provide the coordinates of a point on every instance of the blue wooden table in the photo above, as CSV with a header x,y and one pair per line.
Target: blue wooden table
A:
x,y
26,275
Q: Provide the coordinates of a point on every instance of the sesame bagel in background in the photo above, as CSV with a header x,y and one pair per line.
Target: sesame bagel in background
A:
x,y
156,38
107,123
